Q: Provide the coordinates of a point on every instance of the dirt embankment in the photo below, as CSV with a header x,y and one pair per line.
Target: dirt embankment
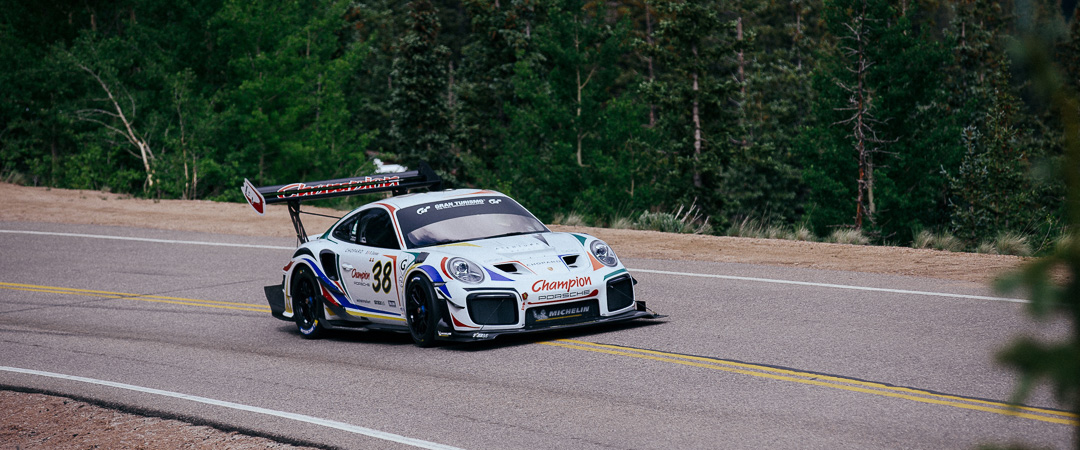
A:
x,y
29,204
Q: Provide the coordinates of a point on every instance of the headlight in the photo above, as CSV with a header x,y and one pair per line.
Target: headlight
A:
x,y
603,253
464,270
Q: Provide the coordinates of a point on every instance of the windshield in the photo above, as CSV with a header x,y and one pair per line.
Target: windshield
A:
x,y
469,219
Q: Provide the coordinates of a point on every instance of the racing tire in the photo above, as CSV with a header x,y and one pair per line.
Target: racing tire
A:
x,y
307,303
422,310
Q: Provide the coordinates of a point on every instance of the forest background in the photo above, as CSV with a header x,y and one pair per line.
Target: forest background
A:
x,y
904,121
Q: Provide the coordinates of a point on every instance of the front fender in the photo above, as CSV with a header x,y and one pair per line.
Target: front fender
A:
x,y
438,280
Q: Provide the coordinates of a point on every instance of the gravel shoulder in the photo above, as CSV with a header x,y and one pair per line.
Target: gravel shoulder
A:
x,y
32,421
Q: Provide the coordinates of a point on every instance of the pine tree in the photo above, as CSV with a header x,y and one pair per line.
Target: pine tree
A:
x,y
421,125
990,190
691,92
283,103
1053,296
569,134
501,36
773,66
894,87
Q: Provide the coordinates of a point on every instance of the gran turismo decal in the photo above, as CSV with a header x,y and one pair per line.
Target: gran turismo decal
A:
x,y
457,204
350,186
544,285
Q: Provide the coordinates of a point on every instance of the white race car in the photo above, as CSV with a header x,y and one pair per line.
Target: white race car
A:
x,y
457,265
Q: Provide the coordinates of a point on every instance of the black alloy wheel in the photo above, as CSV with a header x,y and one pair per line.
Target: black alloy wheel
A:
x,y
422,311
307,303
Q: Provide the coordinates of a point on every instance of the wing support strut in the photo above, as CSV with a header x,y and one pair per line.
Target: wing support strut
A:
x,y
294,214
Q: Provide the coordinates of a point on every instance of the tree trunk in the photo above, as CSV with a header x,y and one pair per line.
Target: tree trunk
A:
x,y
741,61
128,131
697,125
649,61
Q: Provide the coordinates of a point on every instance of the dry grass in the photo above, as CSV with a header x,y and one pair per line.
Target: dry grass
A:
x,y
848,236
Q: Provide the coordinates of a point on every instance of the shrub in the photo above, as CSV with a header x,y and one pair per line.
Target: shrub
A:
x,y
943,241
848,236
571,220
802,233
622,223
660,221
1009,243
746,228
684,220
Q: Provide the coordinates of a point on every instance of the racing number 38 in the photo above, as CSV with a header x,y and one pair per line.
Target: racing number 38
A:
x,y
380,276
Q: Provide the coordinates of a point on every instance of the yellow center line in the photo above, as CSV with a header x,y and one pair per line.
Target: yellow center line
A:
x,y
139,297
834,382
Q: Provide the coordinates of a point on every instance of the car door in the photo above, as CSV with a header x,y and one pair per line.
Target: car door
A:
x,y
371,264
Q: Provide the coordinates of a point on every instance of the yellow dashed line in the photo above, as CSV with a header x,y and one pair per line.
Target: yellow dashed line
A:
x,y
139,297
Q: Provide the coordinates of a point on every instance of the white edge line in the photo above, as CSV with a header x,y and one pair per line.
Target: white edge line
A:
x,y
836,286
286,415
161,241
662,272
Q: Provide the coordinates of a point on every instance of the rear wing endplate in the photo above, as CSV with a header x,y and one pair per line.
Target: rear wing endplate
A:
x,y
294,193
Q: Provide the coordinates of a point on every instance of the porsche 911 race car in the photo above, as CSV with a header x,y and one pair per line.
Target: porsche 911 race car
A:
x,y
456,265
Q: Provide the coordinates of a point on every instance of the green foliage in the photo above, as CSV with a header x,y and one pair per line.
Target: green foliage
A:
x,y
693,44
283,100
600,108
688,220
1057,360
420,125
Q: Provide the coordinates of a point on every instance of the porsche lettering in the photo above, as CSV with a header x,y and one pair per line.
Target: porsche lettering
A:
x,y
562,295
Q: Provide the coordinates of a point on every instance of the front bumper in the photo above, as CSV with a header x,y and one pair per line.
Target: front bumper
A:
x,y
447,333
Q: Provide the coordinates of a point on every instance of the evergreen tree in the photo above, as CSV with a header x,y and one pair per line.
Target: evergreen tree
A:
x,y
990,190
283,104
1053,296
775,106
501,36
566,146
421,127
691,92
898,79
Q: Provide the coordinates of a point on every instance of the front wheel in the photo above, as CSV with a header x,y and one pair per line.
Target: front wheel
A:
x,y
422,311
307,303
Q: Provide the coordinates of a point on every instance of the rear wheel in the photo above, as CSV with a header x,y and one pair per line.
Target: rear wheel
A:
x,y
307,303
422,311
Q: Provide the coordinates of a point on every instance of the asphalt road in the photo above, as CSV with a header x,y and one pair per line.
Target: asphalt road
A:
x,y
745,359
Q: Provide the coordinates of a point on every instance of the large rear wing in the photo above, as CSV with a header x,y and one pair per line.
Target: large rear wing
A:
x,y
293,193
